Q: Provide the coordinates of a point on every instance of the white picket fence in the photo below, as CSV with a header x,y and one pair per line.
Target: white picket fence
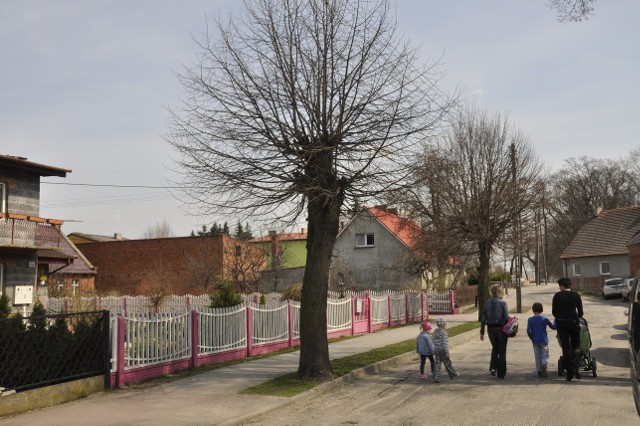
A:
x,y
162,339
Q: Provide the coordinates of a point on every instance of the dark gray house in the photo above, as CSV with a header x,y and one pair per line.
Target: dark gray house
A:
x,y
599,250
29,244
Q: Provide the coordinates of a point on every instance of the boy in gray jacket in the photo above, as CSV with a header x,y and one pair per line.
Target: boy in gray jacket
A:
x,y
441,345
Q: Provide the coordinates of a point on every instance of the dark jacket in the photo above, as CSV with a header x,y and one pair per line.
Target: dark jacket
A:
x,y
567,305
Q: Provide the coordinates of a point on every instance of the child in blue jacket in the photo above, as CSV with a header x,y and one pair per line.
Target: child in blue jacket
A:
x,y
537,332
424,347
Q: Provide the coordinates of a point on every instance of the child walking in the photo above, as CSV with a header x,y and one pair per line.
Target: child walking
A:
x,y
441,345
424,347
537,332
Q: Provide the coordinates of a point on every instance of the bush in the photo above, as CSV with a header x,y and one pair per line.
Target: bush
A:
x,y
226,295
293,293
38,317
501,276
263,299
5,308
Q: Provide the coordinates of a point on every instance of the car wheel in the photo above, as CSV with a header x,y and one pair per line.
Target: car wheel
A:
x,y
560,367
605,297
594,367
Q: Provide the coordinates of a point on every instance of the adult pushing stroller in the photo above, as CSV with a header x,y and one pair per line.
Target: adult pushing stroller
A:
x,y
585,361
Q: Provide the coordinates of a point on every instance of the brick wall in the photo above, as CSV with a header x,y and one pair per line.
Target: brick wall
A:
x,y
185,265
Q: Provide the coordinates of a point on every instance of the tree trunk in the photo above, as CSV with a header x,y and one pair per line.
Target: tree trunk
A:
x,y
484,249
323,222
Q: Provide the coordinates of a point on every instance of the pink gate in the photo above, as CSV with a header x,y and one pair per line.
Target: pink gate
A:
x,y
361,318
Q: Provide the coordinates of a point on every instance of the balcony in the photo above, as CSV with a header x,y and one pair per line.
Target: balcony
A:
x,y
32,232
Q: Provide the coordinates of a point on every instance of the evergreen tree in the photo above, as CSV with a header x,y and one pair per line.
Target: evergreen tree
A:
x,y
239,231
248,235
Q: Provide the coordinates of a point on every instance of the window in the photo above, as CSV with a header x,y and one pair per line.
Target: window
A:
x,y
604,268
364,240
577,269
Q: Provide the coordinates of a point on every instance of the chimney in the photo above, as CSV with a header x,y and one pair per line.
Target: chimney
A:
x,y
117,236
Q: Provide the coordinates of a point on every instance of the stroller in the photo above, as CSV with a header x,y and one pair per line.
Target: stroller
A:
x,y
585,361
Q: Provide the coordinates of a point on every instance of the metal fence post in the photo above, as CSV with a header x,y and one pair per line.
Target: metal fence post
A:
x,y
353,315
195,339
290,319
249,331
121,353
369,314
106,352
406,308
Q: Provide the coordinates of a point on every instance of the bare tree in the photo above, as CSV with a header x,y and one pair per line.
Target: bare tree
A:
x,y
476,184
202,268
300,106
159,230
245,264
572,10
576,192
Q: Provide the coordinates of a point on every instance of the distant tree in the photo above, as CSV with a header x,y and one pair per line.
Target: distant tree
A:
x,y
572,10
576,192
159,230
477,183
296,108
158,282
201,269
245,263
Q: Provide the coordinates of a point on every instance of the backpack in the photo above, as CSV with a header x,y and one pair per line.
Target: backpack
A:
x,y
510,328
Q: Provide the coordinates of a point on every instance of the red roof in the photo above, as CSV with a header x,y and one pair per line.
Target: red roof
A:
x,y
405,229
291,236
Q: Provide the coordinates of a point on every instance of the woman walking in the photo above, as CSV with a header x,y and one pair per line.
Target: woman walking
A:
x,y
494,315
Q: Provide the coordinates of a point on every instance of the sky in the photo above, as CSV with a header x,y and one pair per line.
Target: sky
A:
x,y
87,85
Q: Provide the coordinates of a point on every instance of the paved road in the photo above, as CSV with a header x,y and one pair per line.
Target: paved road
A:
x,y
395,396
398,397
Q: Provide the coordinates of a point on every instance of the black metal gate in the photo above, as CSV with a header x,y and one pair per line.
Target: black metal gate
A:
x,y
39,351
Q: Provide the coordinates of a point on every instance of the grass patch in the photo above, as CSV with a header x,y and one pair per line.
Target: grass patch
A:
x,y
289,385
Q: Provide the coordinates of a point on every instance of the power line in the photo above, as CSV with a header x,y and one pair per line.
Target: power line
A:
x,y
116,186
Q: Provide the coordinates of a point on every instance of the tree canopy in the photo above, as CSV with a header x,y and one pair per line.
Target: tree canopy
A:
x,y
302,106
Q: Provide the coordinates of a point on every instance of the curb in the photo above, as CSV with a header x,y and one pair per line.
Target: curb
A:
x,y
376,368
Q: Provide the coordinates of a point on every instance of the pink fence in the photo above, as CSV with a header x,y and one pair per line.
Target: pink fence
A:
x,y
151,345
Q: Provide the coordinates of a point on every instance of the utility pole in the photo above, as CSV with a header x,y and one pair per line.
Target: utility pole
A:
x,y
516,233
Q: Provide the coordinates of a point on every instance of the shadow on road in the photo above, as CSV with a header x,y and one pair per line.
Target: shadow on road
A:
x,y
613,357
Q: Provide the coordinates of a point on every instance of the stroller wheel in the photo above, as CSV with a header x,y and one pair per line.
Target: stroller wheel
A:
x,y
594,367
560,367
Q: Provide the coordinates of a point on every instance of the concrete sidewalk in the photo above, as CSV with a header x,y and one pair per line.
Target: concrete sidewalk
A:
x,y
212,397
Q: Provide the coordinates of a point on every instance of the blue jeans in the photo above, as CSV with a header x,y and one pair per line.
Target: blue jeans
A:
x,y
541,353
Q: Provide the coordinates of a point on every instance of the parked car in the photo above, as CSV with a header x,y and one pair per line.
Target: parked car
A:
x,y
612,287
626,288
634,347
